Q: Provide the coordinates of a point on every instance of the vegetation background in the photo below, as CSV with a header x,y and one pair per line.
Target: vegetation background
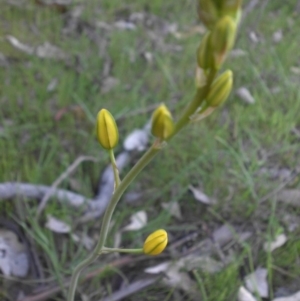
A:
x,y
129,56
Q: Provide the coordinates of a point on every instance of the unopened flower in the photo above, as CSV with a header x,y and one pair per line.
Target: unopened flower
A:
x,y
107,130
208,13
220,89
222,39
156,242
204,53
162,123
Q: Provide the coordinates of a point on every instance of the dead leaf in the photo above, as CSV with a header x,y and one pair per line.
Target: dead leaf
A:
x,y
136,140
256,282
13,257
174,277
236,53
57,225
253,37
204,263
50,51
84,239
200,196
295,70
244,295
125,25
108,84
244,94
138,221
45,50
295,297
277,36
133,196
223,235
52,85
148,56
290,196
279,241
179,279
162,267
19,45
199,29
77,111
173,208
291,221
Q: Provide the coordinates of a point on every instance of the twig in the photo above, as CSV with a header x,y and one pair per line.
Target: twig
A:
x,y
10,190
280,187
52,290
131,288
60,179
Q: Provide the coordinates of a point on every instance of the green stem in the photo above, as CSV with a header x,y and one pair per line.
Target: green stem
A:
x,y
122,186
115,168
130,251
194,104
140,165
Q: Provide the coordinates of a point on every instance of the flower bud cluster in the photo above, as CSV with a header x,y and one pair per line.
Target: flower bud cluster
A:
x,y
221,17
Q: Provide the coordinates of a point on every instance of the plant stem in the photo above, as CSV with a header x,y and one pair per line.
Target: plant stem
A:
x,y
194,104
115,168
129,251
140,165
122,186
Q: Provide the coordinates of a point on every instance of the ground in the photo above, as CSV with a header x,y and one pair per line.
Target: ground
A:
x,y
128,56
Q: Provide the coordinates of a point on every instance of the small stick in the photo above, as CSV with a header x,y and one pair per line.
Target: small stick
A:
x,y
131,289
279,188
50,291
60,179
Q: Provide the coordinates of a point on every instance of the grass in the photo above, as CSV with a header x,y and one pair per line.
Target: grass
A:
x,y
224,154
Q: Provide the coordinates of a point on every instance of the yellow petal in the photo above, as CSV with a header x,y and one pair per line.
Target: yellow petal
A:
x,y
156,242
107,130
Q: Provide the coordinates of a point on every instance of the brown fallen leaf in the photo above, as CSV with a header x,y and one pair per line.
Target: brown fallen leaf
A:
x,y
200,196
295,297
244,94
290,197
256,282
245,295
56,225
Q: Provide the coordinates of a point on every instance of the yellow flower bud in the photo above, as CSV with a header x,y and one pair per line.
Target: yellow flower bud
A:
x,y
208,13
222,39
162,123
205,57
107,130
220,89
156,242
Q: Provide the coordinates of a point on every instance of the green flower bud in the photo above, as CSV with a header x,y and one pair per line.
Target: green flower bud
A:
x,y
231,8
205,57
162,123
208,13
156,242
222,39
107,130
220,89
